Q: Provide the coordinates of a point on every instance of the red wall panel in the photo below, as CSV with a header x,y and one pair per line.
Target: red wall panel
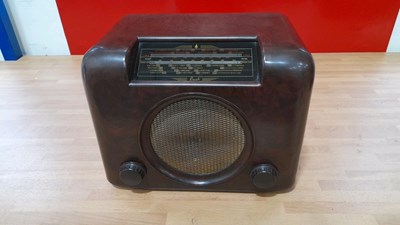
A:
x,y
323,25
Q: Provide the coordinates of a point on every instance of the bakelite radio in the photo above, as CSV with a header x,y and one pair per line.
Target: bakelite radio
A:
x,y
213,102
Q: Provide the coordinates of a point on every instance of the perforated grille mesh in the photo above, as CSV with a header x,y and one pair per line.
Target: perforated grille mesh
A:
x,y
197,136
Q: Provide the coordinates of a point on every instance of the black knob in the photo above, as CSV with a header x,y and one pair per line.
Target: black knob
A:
x,y
132,173
264,176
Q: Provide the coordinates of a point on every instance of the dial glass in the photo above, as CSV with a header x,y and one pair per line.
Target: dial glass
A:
x,y
196,61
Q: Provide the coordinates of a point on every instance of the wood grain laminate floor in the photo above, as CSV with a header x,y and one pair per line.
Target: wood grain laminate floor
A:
x,y
51,171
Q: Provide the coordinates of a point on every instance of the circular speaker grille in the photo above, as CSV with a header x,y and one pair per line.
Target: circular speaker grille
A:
x,y
197,136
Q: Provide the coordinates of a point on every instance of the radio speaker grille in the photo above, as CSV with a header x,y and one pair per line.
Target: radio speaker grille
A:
x,y
197,136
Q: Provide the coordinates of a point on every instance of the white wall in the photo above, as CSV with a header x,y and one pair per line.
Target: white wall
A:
x,y
38,27
394,43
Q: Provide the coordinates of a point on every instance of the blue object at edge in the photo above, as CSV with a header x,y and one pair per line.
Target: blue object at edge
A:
x,y
8,41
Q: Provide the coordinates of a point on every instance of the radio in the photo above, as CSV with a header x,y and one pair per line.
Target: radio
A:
x,y
212,102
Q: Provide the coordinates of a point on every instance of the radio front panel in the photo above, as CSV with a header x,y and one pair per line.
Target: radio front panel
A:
x,y
203,102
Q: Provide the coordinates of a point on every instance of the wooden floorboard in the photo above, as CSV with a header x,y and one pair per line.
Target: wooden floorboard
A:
x,y
51,171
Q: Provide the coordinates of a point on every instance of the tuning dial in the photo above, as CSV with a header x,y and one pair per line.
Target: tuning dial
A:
x,y
132,173
264,176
